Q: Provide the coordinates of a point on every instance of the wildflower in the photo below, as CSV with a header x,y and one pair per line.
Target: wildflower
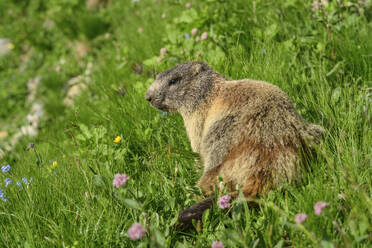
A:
x,y
197,38
19,184
301,217
188,5
224,201
25,180
54,164
10,46
107,36
204,36
163,51
158,59
217,244
58,68
187,36
117,139
163,16
120,180
5,168
136,231
263,51
194,31
164,114
7,181
2,196
140,30
319,206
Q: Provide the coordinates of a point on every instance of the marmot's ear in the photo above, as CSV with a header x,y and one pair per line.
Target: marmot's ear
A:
x,y
199,67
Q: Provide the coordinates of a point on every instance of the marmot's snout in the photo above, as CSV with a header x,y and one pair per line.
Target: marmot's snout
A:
x,y
155,96
148,96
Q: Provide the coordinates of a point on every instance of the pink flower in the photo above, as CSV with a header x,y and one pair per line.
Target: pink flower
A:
x,y
319,206
158,59
120,180
163,51
217,244
107,35
136,231
58,68
197,38
204,36
188,5
194,31
140,30
224,201
301,217
163,16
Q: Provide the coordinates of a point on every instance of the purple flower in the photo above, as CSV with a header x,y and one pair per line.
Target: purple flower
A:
x,y
7,181
136,231
301,217
163,51
217,244
319,206
120,180
5,168
204,36
187,36
224,201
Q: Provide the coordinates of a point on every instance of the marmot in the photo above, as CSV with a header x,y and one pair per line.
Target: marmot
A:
x,y
246,131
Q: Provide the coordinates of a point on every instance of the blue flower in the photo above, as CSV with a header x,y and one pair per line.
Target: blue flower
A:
x,y
263,51
187,36
164,114
2,196
7,181
5,168
26,181
19,184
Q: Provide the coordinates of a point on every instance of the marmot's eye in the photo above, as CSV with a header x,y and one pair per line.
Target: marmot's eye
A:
x,y
174,80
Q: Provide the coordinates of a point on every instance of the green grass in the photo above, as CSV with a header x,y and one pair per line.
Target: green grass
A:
x,y
325,71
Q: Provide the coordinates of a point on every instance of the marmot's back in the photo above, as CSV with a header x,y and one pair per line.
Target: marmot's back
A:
x,y
252,137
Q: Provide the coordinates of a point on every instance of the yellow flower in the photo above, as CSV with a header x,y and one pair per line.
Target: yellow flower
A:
x,y
54,164
117,139
11,46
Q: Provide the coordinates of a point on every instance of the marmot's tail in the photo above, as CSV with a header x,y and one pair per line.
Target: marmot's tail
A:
x,y
195,212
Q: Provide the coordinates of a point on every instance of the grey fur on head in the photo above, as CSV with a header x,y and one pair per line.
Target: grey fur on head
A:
x,y
182,87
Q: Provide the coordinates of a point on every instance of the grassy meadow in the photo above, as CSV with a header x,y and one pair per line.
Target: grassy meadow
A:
x,y
73,75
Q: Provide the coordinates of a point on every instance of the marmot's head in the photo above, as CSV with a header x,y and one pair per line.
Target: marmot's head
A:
x,y
182,87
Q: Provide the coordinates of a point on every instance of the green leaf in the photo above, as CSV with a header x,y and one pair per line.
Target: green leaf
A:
x,y
130,203
99,180
159,238
84,129
326,244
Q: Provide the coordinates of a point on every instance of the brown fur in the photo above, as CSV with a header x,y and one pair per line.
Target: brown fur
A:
x,y
246,131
